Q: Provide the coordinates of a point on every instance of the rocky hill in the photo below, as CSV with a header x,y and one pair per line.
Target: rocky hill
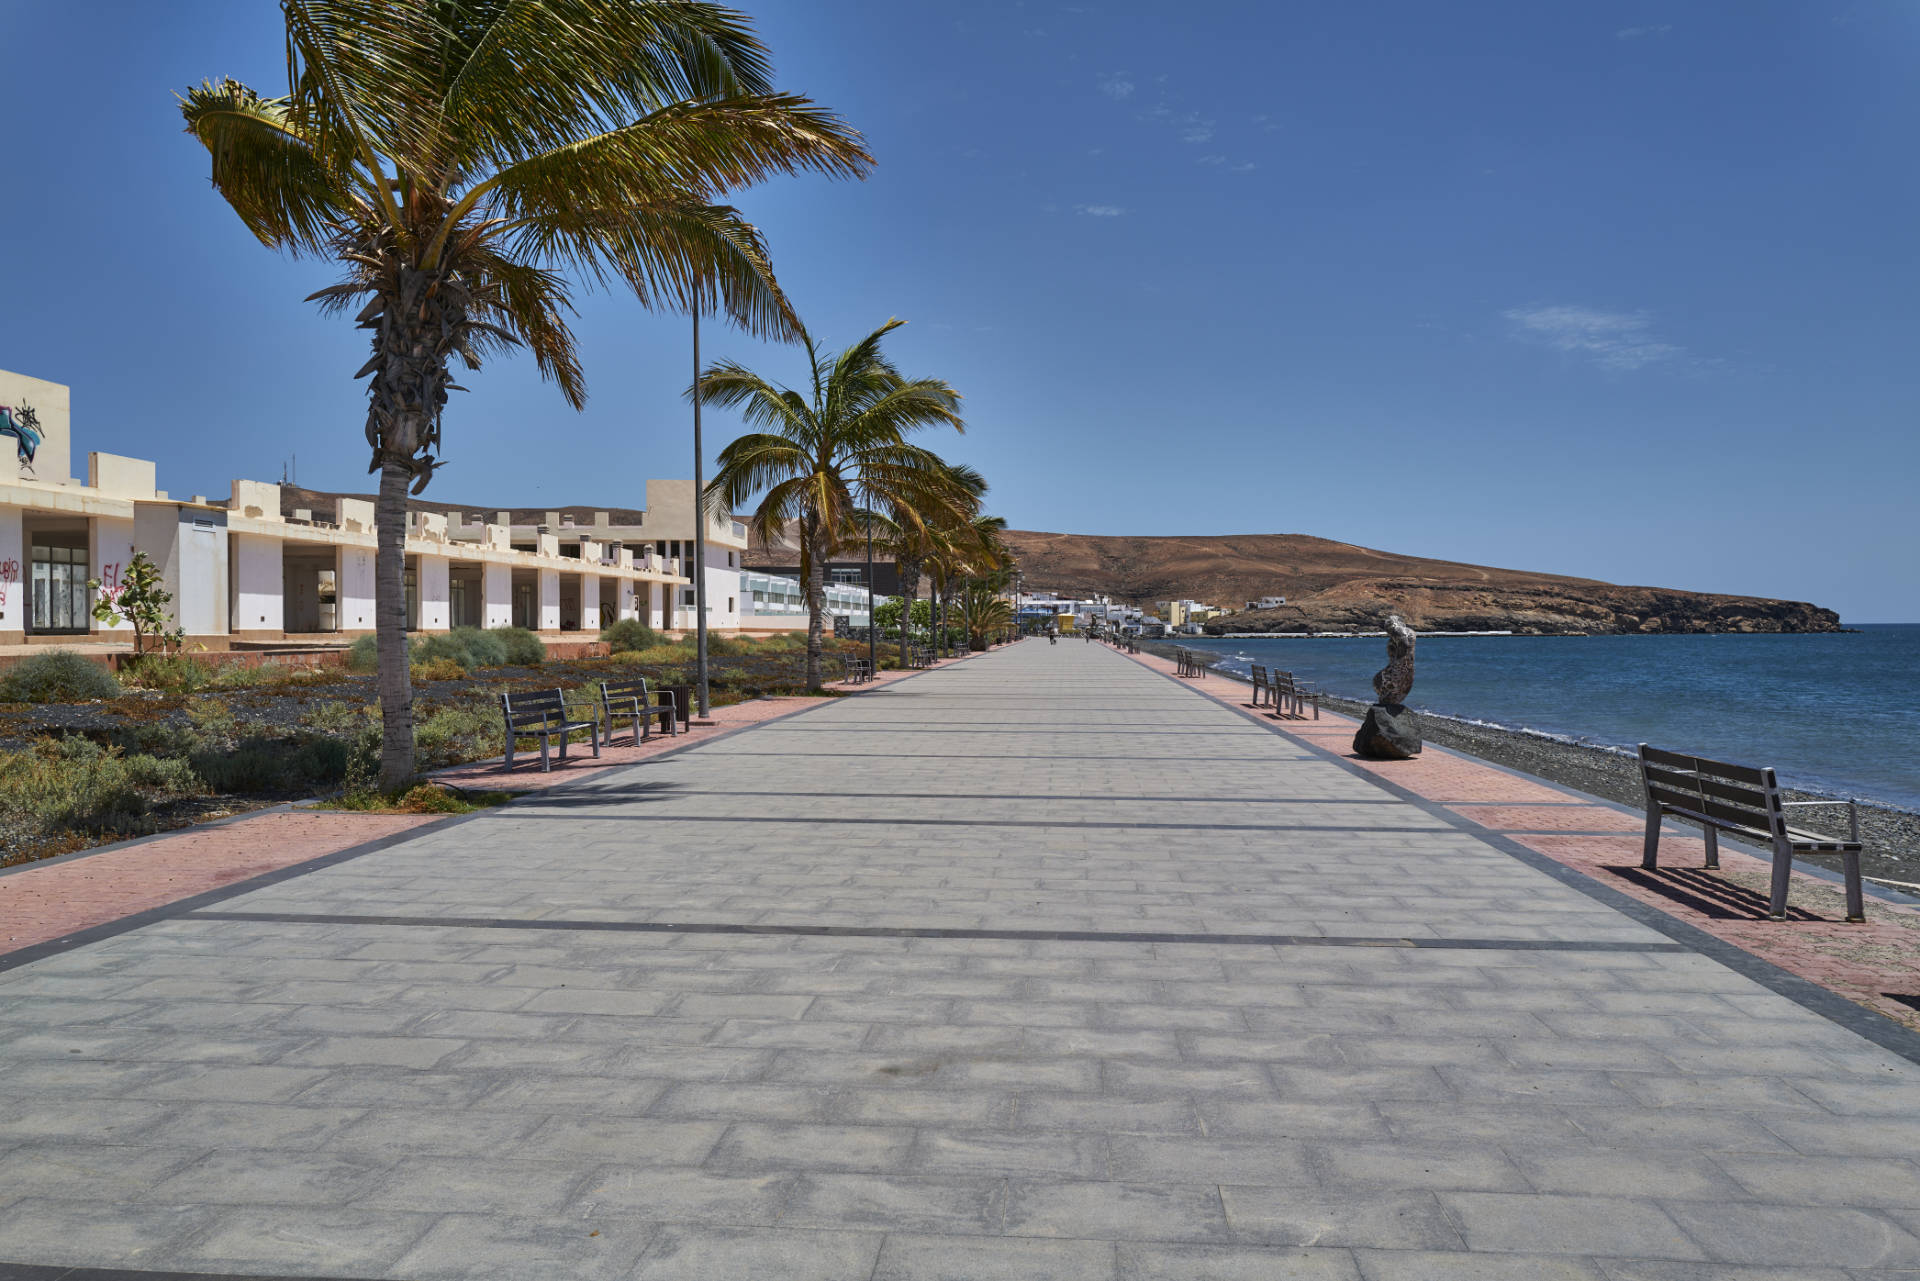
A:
x,y
1333,586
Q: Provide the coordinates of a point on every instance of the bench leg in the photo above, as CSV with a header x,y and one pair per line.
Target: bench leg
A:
x,y
1856,901
546,760
1782,877
1713,848
594,738
1650,851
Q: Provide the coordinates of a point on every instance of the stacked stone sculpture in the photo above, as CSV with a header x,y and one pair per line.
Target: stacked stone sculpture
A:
x,y
1389,732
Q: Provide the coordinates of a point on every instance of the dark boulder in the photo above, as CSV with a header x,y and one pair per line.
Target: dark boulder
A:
x,y
1388,733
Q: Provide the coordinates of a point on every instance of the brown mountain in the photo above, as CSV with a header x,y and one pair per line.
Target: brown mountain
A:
x,y
1333,586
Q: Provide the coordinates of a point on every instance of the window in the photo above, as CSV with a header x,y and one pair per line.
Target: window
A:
x,y
847,575
729,560
60,600
729,604
687,597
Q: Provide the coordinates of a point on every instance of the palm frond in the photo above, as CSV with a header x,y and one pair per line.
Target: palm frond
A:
x,y
284,193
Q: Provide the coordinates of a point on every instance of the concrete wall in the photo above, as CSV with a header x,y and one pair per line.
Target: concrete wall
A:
x,y
258,593
626,607
548,601
200,599
355,576
15,578
53,460
111,553
434,595
497,590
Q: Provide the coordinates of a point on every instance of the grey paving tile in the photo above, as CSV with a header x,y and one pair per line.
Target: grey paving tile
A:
x,y
723,1254
331,1240
251,1177
95,1233
1522,1223
667,1193
1115,1211
1816,1236
1297,1215
910,1257
462,1184
1423,1265
756,1145
1146,1262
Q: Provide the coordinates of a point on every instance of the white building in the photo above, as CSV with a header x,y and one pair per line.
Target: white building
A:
x,y
775,602
253,568
1040,608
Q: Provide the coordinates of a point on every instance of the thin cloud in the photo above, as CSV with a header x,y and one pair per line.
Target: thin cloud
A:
x,y
1117,87
1246,166
1212,160
1100,211
1635,33
1617,340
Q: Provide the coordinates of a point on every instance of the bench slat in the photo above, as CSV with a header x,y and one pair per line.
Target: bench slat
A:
x,y
1706,765
1731,793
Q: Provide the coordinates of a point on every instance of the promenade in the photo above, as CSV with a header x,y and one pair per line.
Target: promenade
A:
x,y
1037,965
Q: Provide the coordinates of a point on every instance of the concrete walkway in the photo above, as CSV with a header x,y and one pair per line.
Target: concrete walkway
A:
x,y
1036,966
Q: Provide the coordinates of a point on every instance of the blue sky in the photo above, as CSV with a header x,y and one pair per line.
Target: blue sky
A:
x,y
1623,290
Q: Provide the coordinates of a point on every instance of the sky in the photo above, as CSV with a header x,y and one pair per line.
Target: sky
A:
x,y
1621,290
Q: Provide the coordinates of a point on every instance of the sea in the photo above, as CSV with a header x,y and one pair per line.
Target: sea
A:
x,y
1831,712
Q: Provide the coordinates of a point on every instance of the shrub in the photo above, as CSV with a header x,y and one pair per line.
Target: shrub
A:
x,y
462,731
658,656
335,718
629,634
162,774
254,765
169,674
487,649
156,739
57,676
364,654
439,649
441,667
524,649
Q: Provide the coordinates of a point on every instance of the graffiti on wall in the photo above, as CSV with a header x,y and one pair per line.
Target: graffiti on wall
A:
x,y
23,424
9,575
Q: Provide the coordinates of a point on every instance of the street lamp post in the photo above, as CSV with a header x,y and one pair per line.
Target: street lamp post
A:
x,y
699,536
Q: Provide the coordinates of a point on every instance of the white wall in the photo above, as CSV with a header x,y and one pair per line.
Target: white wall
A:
x,y
626,609
16,579
200,602
549,603
355,578
497,591
590,603
259,596
112,552
431,578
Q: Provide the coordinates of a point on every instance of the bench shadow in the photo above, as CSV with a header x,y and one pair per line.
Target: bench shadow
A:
x,y
1700,890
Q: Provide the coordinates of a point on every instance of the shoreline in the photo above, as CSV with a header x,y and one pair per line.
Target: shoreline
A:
x,y
1890,834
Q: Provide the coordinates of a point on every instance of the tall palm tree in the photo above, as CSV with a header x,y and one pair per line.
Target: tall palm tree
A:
x,y
458,157
822,460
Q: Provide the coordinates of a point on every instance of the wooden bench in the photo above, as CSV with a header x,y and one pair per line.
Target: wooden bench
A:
x,y
1188,663
1289,697
544,715
632,700
1744,801
859,671
1261,690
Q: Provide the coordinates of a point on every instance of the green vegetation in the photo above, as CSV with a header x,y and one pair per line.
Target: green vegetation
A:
x,y
73,785
629,634
427,798
57,676
141,599
524,649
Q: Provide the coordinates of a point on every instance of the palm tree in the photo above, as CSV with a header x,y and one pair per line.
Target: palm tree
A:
x,y
458,157
984,612
928,545
822,461
965,554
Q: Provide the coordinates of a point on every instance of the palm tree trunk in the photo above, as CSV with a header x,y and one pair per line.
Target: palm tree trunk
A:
x,y
390,629
816,600
909,593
